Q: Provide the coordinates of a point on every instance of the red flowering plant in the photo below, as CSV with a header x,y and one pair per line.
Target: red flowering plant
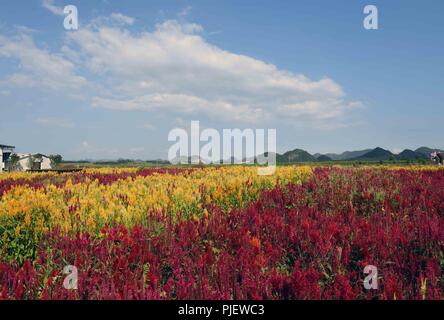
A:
x,y
309,241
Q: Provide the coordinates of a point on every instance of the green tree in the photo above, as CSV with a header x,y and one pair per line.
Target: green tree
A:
x,y
12,162
30,162
56,160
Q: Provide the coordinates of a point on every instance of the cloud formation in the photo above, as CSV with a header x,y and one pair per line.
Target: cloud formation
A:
x,y
38,67
173,70
122,18
49,4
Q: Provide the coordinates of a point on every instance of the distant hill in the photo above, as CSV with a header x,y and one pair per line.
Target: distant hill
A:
x,y
297,155
347,154
427,151
353,154
323,157
376,154
408,154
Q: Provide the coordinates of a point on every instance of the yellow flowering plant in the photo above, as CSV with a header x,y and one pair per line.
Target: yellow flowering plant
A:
x,y
27,213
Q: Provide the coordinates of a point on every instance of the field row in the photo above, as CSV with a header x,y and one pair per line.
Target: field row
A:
x,y
226,233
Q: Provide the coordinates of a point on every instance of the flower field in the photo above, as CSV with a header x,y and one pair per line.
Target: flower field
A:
x,y
223,233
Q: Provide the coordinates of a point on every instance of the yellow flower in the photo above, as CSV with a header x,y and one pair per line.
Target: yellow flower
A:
x,y
424,288
88,205
27,219
17,230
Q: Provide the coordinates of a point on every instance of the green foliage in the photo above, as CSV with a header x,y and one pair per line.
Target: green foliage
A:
x,y
56,160
17,244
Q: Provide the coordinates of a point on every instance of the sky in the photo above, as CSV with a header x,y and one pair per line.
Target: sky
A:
x,y
134,70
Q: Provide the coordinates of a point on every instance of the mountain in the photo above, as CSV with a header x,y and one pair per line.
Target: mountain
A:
x,y
376,154
408,154
347,154
333,156
297,155
323,157
353,154
427,151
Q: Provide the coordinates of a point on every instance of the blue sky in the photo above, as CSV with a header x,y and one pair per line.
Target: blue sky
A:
x,y
136,69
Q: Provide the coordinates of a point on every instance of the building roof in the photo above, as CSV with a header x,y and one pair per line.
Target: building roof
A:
x,y
6,146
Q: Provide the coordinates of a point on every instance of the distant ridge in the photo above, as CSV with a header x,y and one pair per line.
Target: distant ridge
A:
x,y
376,154
297,155
408,154
426,150
300,156
347,154
324,157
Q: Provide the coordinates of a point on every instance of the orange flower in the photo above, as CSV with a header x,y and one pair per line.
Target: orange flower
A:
x,y
255,242
27,219
17,230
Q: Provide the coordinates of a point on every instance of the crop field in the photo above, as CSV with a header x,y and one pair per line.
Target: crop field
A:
x,y
223,232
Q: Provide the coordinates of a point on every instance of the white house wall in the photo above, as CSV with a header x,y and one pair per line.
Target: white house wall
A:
x,y
2,165
24,164
46,164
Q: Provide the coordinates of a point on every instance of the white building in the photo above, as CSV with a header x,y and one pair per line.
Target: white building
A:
x,y
25,162
5,154
28,161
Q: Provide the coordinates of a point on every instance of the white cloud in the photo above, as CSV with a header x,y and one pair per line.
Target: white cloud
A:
x,y
118,17
49,4
24,29
55,122
185,104
38,67
174,69
115,19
